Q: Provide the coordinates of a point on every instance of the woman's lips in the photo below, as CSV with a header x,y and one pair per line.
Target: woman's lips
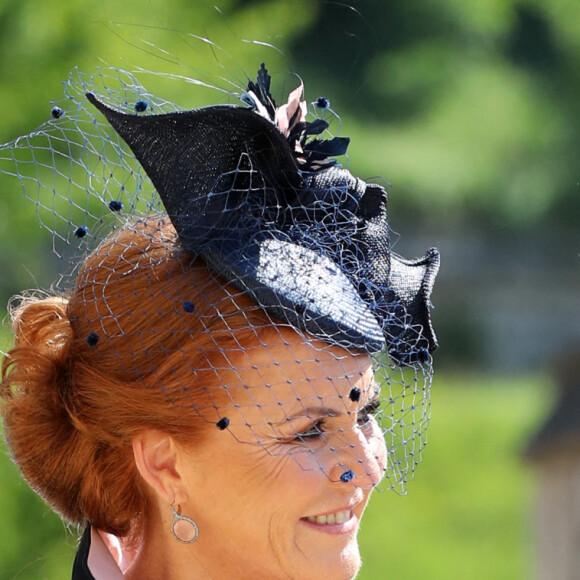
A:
x,y
334,518
339,522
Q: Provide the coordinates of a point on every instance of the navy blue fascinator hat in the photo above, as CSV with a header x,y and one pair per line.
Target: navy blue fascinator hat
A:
x,y
255,192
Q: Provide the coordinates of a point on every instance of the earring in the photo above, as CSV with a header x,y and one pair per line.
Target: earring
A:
x,y
183,529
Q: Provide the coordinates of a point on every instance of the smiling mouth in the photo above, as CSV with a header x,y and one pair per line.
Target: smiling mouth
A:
x,y
330,519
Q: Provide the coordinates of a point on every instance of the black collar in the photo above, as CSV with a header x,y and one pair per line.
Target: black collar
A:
x,y
81,567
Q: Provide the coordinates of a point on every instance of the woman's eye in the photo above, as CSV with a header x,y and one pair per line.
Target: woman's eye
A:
x,y
364,416
313,432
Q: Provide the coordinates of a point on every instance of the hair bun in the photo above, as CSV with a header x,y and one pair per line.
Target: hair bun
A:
x,y
34,392
42,324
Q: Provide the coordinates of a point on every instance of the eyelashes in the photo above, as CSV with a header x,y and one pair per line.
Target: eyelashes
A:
x,y
315,431
364,417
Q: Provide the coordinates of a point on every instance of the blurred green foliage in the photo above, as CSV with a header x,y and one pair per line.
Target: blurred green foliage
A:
x,y
465,106
469,108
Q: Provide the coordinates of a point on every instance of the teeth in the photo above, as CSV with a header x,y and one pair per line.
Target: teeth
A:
x,y
335,518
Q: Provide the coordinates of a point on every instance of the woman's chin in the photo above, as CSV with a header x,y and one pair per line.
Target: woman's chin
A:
x,y
320,562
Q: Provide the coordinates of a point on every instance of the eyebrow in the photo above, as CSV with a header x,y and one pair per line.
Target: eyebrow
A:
x,y
320,411
309,412
323,411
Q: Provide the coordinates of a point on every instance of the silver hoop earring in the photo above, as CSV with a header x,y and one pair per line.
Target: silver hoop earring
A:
x,y
183,529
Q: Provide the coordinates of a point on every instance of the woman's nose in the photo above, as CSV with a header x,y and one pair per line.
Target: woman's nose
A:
x,y
361,460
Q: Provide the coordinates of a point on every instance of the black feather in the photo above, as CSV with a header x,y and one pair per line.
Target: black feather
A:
x,y
321,149
261,88
316,127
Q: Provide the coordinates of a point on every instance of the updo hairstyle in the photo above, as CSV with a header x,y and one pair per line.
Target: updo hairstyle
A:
x,y
130,349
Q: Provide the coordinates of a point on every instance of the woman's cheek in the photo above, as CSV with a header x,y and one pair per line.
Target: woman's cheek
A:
x,y
377,445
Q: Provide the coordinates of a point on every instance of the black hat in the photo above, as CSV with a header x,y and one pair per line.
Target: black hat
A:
x,y
265,206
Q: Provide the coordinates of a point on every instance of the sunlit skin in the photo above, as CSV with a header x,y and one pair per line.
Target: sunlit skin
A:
x,y
293,431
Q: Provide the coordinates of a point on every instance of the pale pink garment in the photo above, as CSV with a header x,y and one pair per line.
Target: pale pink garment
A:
x,y
106,559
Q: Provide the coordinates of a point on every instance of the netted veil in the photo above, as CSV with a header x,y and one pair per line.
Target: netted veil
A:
x,y
253,195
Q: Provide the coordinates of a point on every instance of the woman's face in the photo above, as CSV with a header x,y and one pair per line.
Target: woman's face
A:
x,y
266,492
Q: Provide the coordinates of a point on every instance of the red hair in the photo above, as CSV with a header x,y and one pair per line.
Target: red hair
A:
x,y
145,324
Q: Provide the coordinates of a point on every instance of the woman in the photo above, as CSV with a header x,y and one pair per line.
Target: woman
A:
x,y
204,400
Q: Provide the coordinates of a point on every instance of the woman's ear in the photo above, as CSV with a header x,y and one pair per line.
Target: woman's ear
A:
x,y
157,459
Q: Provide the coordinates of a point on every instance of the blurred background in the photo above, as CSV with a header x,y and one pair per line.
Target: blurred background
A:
x,y
471,111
